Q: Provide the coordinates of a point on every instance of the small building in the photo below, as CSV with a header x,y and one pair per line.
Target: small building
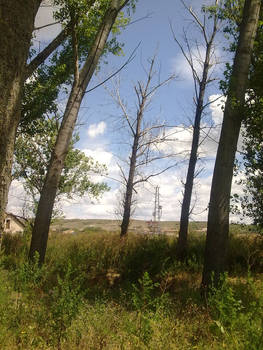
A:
x,y
14,223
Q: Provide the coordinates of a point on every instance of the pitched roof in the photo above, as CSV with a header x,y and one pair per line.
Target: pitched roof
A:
x,y
19,219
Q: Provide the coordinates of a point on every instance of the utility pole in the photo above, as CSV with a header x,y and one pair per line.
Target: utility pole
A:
x,y
157,213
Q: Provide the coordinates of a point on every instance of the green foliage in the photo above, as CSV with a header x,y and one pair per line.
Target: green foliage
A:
x,y
148,305
72,303
32,155
53,79
225,306
237,319
28,276
14,249
252,199
142,296
250,202
65,301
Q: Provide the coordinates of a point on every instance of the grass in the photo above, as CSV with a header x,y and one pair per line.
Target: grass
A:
x,y
96,291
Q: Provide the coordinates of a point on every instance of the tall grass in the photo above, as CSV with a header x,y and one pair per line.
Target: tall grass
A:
x,y
96,291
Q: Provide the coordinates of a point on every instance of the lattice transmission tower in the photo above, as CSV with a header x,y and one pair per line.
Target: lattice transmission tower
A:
x,y
155,225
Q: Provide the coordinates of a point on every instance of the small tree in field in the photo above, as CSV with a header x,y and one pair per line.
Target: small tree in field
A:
x,y
32,155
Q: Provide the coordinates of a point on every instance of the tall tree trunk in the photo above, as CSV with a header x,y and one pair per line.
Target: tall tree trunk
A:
x,y
218,216
48,193
16,26
129,187
143,93
185,211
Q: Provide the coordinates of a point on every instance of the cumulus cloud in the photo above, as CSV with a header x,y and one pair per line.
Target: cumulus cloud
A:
x,y
217,103
17,199
181,67
179,138
95,130
102,208
178,142
99,154
170,182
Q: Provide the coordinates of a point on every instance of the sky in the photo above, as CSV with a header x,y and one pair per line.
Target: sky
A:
x,y
103,134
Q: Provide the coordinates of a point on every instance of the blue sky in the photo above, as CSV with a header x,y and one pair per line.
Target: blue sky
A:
x,y
100,134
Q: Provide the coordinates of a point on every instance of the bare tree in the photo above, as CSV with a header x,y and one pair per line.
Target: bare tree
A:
x,y
81,81
218,216
145,136
201,81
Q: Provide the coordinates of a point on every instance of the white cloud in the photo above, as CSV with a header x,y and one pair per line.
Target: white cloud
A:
x,y
96,129
180,137
179,141
170,182
180,66
216,107
17,199
100,155
102,208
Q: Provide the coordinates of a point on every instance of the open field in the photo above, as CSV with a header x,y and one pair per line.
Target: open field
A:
x,y
136,226
96,292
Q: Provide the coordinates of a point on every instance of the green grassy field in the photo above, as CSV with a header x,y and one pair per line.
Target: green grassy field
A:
x,y
96,291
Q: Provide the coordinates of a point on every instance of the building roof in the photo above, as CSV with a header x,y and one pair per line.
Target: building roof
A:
x,y
19,219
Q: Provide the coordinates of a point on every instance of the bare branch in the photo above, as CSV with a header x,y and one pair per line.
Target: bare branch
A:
x,y
47,25
159,85
129,60
200,24
214,100
122,173
145,179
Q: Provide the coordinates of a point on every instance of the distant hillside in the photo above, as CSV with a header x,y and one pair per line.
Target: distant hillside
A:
x,y
137,226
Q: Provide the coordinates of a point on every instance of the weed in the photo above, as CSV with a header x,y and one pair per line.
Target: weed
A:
x,y
103,293
65,300
241,324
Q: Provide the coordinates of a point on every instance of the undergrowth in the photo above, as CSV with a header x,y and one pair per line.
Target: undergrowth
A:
x,y
96,291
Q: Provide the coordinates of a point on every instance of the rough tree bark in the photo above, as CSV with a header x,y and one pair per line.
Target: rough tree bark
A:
x,y
218,216
201,85
133,161
47,197
16,26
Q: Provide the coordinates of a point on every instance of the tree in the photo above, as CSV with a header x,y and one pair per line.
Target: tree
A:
x,y
252,199
53,79
16,26
200,84
218,216
32,155
145,138
73,13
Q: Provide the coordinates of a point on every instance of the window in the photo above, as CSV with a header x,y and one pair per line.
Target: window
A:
x,y
8,224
